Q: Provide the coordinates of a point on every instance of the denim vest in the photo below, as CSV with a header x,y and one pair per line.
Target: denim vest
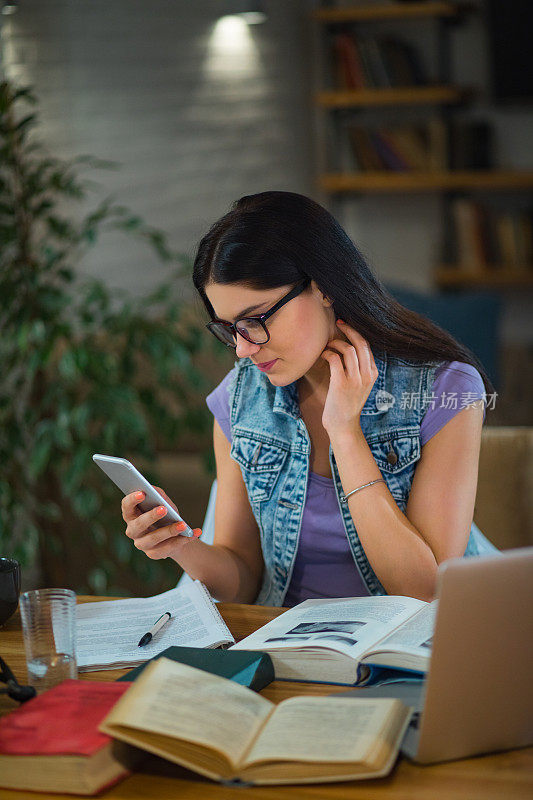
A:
x,y
271,444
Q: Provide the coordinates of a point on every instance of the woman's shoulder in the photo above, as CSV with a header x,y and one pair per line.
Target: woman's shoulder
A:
x,y
458,373
456,385
446,372
243,371
222,389
218,402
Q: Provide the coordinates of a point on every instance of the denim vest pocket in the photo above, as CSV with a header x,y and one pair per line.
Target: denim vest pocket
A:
x,y
396,453
261,459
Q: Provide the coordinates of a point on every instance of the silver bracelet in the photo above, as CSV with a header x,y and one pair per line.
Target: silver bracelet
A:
x,y
344,497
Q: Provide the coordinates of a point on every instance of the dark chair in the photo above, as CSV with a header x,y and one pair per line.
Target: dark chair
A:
x,y
472,317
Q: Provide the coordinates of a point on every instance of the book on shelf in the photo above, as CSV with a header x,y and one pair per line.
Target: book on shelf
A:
x,y
525,234
363,150
398,148
231,734
483,234
408,146
470,251
52,743
485,238
403,62
515,234
471,145
437,138
390,158
505,231
347,65
378,64
108,632
352,641
371,62
373,67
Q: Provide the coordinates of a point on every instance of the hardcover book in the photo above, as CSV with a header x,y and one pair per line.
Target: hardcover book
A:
x,y
252,669
52,742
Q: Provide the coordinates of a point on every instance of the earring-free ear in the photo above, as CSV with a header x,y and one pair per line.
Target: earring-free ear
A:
x,y
326,302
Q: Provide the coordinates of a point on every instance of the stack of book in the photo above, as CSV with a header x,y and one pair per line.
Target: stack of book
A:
x,y
487,238
401,148
468,146
196,708
63,740
367,62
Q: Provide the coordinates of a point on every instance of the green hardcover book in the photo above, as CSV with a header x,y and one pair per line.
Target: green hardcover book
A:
x,y
253,669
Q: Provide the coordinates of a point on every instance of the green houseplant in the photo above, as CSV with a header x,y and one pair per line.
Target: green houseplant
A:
x,y
84,370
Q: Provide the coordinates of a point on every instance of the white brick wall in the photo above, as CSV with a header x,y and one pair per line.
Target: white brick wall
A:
x,y
196,119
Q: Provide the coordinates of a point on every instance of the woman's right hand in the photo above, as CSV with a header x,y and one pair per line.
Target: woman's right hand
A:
x,y
155,543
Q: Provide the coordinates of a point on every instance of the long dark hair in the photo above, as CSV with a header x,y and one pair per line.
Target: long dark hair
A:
x,y
275,239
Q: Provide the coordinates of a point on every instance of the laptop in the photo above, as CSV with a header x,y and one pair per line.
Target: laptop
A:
x,y
477,696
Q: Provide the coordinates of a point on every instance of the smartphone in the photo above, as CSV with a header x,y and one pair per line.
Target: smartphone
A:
x,y
128,479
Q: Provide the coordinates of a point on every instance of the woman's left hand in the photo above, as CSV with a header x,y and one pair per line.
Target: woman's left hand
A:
x,y
353,372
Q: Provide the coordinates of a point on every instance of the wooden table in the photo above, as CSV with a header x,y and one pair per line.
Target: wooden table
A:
x,y
504,775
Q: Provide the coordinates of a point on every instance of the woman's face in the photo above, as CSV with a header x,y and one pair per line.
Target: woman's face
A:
x,y
299,331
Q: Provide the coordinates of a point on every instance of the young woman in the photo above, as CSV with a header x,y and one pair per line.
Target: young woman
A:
x,y
347,435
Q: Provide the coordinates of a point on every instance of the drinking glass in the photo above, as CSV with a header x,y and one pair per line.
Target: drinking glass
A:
x,y
49,630
9,588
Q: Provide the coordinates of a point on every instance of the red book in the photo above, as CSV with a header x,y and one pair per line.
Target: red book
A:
x,y
52,742
349,62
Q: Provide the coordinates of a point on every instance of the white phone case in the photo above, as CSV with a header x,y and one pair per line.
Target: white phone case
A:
x,y
129,479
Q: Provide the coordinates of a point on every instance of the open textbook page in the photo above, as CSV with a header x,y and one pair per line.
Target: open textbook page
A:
x,y
326,639
409,646
181,710
227,732
292,728
108,632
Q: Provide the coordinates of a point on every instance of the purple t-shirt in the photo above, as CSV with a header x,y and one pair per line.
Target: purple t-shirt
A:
x,y
324,565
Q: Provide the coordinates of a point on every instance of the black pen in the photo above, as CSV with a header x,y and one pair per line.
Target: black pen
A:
x,y
163,619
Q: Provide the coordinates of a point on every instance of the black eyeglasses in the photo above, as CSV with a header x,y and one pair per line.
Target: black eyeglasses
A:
x,y
253,329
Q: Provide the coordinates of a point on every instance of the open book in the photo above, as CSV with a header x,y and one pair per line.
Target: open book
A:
x,y
108,632
347,640
229,733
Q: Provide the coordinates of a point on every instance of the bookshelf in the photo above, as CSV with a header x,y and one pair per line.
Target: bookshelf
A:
x,y
360,78
498,276
417,95
363,12
412,181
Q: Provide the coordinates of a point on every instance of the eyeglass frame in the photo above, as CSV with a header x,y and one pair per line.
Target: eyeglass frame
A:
x,y
260,318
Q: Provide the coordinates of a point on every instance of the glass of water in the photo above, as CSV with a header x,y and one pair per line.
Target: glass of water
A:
x,y
49,630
